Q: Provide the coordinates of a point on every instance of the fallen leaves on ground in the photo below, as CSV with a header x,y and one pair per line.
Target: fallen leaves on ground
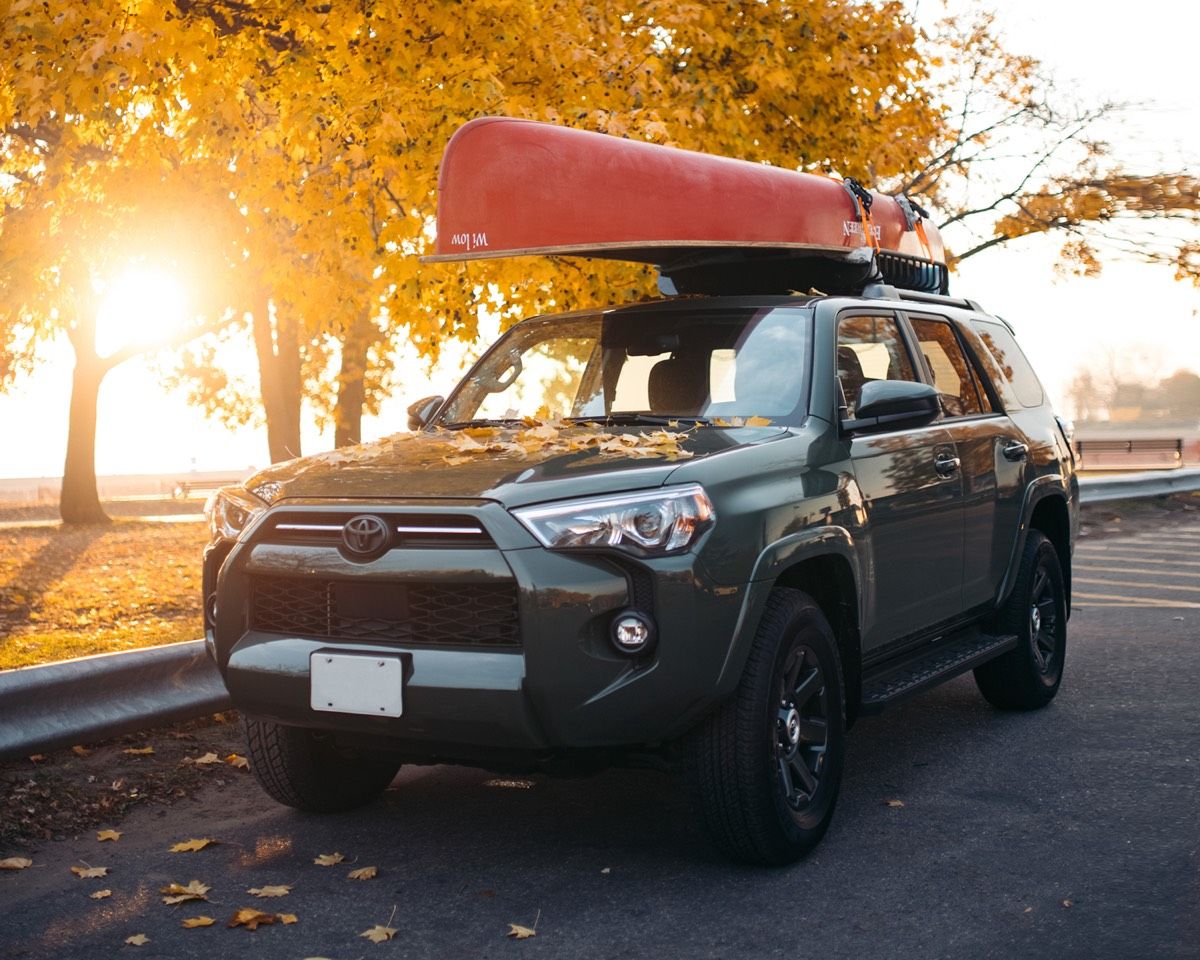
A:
x,y
250,918
102,835
178,893
89,873
101,895
379,933
237,760
287,918
362,873
894,803
137,940
280,890
329,859
138,751
15,863
192,922
36,757
203,761
191,846
80,751
518,932
1068,903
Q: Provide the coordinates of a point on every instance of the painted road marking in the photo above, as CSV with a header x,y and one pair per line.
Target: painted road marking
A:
x,y
1114,600
1079,554
1125,583
1190,574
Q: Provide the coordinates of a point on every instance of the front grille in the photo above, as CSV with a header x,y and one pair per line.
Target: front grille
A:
x,y
408,613
324,528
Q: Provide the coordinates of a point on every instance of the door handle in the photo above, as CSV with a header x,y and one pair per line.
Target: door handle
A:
x,y
946,464
1015,450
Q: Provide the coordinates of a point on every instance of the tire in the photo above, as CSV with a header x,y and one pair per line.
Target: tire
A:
x,y
298,768
767,765
1029,675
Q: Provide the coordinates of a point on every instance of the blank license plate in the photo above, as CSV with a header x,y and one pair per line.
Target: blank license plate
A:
x,y
344,683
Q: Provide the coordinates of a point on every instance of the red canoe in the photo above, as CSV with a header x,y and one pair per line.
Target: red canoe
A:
x,y
515,187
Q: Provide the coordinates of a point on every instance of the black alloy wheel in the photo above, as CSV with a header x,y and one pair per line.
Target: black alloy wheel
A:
x,y
801,727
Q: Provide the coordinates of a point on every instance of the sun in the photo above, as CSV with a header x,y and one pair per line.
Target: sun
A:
x,y
141,305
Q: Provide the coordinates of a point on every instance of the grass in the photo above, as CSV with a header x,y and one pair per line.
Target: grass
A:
x,y
73,591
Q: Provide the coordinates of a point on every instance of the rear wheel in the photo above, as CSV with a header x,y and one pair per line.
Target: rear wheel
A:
x,y
1028,676
301,768
767,766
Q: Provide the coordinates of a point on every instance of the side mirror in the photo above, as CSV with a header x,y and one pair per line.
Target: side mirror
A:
x,y
893,404
421,412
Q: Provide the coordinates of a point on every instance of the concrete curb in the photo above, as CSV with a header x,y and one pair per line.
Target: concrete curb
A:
x,y
93,698
1132,486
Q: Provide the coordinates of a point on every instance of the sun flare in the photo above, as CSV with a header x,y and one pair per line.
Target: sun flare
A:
x,y
142,304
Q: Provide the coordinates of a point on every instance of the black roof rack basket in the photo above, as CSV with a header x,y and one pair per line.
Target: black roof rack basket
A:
x,y
913,273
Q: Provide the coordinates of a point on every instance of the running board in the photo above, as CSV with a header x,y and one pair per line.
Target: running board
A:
x,y
894,682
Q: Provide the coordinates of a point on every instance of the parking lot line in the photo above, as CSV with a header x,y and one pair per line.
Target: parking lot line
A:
x,y
1125,583
1190,574
1116,600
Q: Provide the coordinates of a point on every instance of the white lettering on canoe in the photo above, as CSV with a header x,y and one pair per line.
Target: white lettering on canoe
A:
x,y
472,241
854,228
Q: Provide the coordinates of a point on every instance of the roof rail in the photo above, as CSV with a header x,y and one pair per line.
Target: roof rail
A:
x,y
885,291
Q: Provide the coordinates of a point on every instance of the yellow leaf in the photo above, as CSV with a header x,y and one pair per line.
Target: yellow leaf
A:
x,y
36,757
15,863
894,803
757,422
102,835
177,893
329,859
137,940
89,873
138,751
379,933
190,846
278,891
362,873
80,751
192,922
250,918
286,918
237,760
101,895
205,760
518,932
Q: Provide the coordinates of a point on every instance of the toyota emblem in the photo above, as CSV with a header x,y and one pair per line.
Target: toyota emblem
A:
x,y
365,535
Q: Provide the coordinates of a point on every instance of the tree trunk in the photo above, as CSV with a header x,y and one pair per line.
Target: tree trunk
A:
x,y
347,413
277,343
80,500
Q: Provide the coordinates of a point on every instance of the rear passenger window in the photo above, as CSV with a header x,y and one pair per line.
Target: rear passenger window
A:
x,y
869,348
1012,362
953,375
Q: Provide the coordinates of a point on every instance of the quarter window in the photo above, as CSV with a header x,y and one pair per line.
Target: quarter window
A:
x,y
869,348
1012,363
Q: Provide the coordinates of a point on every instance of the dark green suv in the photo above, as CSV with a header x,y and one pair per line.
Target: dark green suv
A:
x,y
705,533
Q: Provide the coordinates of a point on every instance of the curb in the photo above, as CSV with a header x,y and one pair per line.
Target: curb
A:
x,y
94,698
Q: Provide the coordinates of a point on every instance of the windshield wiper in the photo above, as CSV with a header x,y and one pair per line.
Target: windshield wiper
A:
x,y
650,418
494,422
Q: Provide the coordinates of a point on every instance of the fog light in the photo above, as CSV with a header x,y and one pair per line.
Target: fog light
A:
x,y
632,632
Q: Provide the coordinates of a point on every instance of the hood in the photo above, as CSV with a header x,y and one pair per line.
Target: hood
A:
x,y
512,466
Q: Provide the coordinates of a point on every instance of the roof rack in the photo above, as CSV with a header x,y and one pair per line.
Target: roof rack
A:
x,y
885,291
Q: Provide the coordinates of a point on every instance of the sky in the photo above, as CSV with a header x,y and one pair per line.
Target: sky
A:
x,y
1132,314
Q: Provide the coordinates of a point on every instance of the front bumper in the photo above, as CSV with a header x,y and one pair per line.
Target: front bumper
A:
x,y
558,685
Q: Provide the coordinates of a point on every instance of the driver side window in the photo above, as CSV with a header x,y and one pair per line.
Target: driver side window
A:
x,y
869,348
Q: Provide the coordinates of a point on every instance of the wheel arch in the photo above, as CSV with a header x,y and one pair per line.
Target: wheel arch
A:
x,y
1051,517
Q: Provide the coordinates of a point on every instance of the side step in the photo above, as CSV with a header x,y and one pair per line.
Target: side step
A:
x,y
892,682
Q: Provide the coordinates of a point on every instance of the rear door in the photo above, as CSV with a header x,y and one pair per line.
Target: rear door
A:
x,y
912,493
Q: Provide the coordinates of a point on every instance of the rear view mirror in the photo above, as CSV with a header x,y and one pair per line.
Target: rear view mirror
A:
x,y
421,412
893,404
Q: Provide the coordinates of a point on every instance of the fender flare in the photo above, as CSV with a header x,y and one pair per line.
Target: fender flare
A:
x,y
1049,485
775,558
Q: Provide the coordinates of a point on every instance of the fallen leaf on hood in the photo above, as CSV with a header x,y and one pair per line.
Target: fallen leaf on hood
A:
x,y
757,422
177,893
101,895
102,835
457,461
137,940
237,760
15,863
192,922
191,846
80,751
518,932
205,760
362,873
282,890
379,933
286,918
138,751
329,859
89,873
250,918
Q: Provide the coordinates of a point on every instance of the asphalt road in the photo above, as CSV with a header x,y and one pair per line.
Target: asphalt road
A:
x,y
1073,832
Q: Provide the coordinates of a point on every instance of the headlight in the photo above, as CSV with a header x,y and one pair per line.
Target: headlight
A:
x,y
229,511
652,523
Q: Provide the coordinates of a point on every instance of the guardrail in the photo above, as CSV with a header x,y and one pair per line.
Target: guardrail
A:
x,y
93,698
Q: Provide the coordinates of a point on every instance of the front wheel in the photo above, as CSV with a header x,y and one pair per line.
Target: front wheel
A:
x,y
301,769
1029,675
766,766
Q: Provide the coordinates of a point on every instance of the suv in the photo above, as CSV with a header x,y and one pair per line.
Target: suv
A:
x,y
709,532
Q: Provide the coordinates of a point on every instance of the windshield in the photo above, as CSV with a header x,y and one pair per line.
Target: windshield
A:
x,y
643,365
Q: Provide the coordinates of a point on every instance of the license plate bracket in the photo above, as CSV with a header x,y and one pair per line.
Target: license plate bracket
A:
x,y
367,685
